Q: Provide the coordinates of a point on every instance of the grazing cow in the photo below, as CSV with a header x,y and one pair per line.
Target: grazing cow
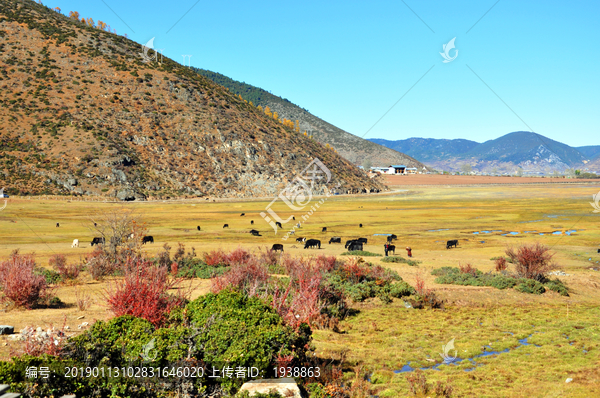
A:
x,y
355,246
324,229
394,236
95,224
300,239
198,227
349,242
390,239
251,222
255,233
277,247
97,241
312,243
598,250
147,239
243,214
362,240
225,225
389,248
277,223
335,239
359,225
75,243
293,218
57,225
451,243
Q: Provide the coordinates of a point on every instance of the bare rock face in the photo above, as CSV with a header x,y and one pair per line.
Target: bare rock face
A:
x,y
286,386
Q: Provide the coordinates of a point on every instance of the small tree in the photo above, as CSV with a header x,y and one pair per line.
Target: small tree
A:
x,y
122,230
531,261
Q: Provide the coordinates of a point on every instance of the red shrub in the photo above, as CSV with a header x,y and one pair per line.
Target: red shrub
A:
x,y
239,256
531,261
250,278
467,269
18,282
325,263
500,264
215,258
354,271
66,271
269,257
143,292
99,264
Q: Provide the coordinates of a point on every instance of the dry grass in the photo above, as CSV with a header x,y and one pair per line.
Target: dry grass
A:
x,y
474,316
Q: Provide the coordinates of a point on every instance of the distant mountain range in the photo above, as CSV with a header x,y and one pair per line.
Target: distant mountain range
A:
x,y
355,149
521,149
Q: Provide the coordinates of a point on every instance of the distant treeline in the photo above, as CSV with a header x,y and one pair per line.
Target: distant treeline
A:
x,y
253,94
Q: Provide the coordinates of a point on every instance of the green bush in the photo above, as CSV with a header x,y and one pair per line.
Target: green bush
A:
x,y
530,286
557,286
360,253
400,259
199,269
52,277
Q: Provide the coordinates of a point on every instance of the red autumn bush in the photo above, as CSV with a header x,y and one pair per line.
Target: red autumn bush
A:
x,y
325,263
215,258
99,263
251,278
65,270
531,261
500,264
467,269
143,292
20,284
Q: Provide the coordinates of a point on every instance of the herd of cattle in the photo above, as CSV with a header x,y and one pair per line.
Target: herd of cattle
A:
x,y
351,245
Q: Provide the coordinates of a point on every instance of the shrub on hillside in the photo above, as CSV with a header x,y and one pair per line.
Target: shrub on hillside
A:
x,y
100,264
143,292
500,264
20,284
250,278
531,261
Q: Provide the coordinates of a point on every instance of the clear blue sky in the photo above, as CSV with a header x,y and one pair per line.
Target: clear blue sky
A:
x,y
348,62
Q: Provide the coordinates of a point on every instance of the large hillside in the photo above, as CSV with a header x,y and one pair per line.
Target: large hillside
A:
x,y
357,150
81,113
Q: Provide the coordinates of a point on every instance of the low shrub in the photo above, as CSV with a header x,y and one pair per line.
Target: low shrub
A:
x,y
51,277
500,264
468,269
99,263
400,259
530,286
360,253
556,285
250,278
199,269
20,284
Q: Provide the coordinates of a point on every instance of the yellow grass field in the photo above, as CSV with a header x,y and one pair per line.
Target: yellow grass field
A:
x,y
563,332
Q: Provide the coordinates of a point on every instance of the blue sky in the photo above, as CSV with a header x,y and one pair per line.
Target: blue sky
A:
x,y
529,66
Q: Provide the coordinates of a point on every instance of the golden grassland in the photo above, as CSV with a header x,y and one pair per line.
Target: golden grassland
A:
x,y
384,338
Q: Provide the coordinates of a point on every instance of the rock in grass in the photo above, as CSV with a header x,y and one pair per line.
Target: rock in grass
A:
x,y
286,386
5,329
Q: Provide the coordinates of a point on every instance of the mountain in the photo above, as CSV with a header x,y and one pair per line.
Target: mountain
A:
x,y
355,149
81,112
592,152
429,149
521,149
